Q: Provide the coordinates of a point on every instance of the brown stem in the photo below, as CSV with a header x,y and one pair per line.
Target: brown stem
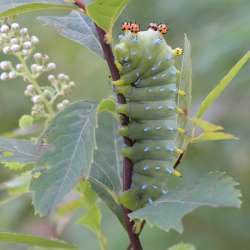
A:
x,y
127,164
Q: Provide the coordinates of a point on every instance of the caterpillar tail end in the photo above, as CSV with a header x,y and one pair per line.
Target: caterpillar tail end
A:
x,y
177,173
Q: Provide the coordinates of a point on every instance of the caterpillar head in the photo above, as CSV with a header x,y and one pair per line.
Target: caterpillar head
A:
x,y
163,28
153,26
135,28
126,26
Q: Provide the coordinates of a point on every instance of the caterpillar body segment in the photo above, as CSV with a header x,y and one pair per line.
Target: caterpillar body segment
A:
x,y
149,82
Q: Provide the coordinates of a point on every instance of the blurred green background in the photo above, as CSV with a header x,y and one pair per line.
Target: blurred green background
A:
x,y
219,31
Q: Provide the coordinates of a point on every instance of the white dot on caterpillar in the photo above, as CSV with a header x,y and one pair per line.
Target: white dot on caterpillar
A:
x,y
157,41
157,168
150,201
137,74
157,147
168,57
154,186
170,149
158,128
146,149
146,167
171,107
154,77
144,186
160,107
171,129
120,37
125,59
146,129
161,89
147,107
164,191
136,83
149,58
169,170
150,90
153,68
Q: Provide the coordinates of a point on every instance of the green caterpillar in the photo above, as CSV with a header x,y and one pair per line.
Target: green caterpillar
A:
x,y
149,82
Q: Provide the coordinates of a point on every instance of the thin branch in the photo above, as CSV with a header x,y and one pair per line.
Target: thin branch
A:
x,y
127,164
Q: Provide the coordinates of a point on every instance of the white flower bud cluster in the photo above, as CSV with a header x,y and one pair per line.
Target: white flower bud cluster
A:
x,y
16,40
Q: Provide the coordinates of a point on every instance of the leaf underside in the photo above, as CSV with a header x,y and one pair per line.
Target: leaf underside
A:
x,y
214,189
77,28
71,140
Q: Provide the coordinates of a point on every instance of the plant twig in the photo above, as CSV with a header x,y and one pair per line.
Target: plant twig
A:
x,y
127,164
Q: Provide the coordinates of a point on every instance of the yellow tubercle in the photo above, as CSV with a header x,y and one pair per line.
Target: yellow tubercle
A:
x,y
119,83
181,93
177,173
123,109
181,130
118,65
179,151
178,51
180,111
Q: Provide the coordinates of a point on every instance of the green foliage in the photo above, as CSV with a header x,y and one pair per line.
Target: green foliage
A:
x,y
182,246
18,151
76,27
108,105
9,8
220,87
26,121
34,241
205,125
71,141
105,175
13,188
213,136
214,189
105,12
92,217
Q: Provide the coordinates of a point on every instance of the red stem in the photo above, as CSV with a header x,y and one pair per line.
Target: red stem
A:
x,y
127,164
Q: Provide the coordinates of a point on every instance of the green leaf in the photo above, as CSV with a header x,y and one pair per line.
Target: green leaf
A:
x,y
205,125
185,84
105,176
220,87
182,246
92,217
77,28
105,12
10,8
71,140
107,105
213,136
18,151
13,188
214,189
34,241
26,121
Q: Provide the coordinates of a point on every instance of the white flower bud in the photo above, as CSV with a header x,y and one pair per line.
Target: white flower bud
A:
x,y
24,31
36,99
39,68
25,52
19,67
51,66
12,75
46,58
47,93
60,106
29,88
6,50
15,26
5,65
14,41
34,40
72,84
61,77
51,78
37,57
4,36
26,93
65,102
4,76
33,68
27,45
15,48
4,28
